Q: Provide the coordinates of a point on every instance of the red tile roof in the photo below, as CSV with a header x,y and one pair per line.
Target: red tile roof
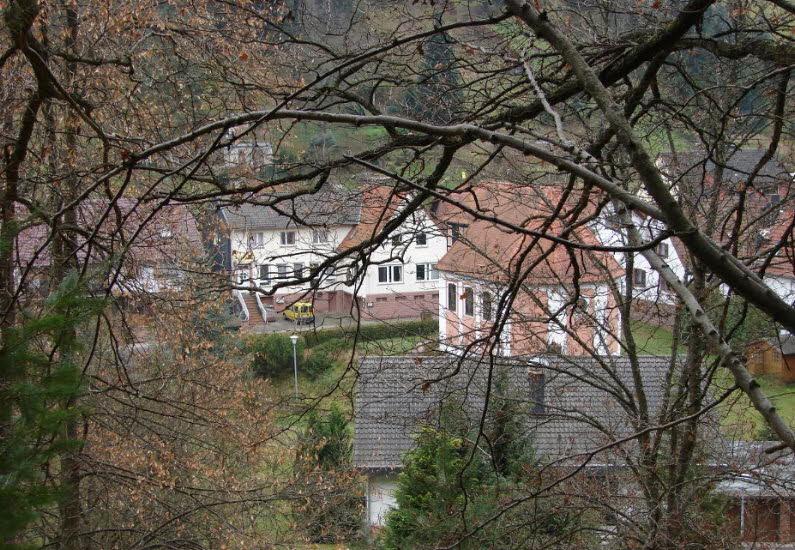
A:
x,y
379,205
490,251
157,237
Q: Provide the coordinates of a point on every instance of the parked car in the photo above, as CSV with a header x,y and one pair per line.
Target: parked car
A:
x,y
301,313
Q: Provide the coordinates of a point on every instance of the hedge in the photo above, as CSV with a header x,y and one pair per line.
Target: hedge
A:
x,y
367,333
371,332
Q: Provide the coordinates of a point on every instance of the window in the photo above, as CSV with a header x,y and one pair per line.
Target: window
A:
x,y
319,236
288,238
257,239
487,305
452,296
469,302
282,271
663,284
328,274
581,308
390,273
298,270
427,272
662,250
456,229
264,272
639,277
396,240
421,239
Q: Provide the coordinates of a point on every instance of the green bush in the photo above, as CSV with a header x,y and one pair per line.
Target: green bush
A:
x,y
273,355
375,331
332,347
318,362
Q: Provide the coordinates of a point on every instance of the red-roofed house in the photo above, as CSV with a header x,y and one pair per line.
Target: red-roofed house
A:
x,y
142,249
557,297
270,246
780,271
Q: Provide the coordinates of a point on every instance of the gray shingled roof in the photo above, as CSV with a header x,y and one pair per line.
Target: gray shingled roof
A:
x,y
738,167
784,343
332,205
581,402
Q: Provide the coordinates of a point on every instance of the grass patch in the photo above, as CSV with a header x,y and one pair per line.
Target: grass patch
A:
x,y
652,340
743,422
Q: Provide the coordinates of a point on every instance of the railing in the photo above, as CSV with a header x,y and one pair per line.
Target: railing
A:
x,y
261,307
242,302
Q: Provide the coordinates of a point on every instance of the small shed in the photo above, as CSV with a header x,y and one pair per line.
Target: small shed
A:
x,y
773,357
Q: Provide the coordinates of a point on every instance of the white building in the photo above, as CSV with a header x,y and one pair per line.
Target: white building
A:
x,y
647,284
317,248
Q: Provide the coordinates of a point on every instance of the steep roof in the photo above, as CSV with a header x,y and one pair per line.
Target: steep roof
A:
x,y
491,251
397,395
159,234
379,204
737,168
331,205
781,232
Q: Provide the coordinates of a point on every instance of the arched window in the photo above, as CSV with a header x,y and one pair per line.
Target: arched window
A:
x,y
469,302
487,306
451,296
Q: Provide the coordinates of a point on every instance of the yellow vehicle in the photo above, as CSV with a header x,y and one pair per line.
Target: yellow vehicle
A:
x,y
300,312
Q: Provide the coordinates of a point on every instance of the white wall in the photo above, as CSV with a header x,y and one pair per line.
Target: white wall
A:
x,y
407,254
246,249
783,286
611,235
380,498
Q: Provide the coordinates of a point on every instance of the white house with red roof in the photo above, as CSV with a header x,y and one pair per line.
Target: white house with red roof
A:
x,y
321,248
714,187
400,277
528,284
778,255
649,290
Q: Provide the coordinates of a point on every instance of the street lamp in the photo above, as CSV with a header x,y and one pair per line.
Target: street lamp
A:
x,y
294,340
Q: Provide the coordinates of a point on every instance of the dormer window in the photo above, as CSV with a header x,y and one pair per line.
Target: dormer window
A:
x,y
421,239
639,277
662,250
320,236
456,230
397,240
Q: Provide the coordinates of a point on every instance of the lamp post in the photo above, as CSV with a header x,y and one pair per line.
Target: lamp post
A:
x,y
294,340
